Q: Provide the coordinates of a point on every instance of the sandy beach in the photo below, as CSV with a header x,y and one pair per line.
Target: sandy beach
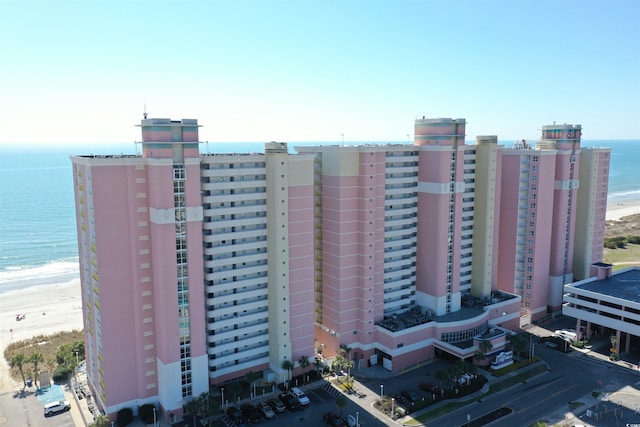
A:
x,y
58,307
47,309
616,210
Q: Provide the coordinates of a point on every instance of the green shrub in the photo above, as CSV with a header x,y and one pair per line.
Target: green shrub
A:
x,y
61,374
618,242
125,417
633,239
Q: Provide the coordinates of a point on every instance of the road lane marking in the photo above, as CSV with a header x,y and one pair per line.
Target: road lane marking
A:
x,y
544,400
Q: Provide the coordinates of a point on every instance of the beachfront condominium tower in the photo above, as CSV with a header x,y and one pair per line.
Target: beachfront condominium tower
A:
x,y
140,221
179,289
552,216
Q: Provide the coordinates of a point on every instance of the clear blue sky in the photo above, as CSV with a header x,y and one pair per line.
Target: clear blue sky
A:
x,y
82,71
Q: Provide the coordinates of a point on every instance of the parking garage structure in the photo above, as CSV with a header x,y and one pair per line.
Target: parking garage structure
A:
x,y
610,300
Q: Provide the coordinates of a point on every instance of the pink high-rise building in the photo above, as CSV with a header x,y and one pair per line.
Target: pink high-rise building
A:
x,y
198,268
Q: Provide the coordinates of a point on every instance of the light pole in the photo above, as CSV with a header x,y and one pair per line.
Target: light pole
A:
x,y
154,417
76,358
381,390
222,390
468,419
393,408
357,419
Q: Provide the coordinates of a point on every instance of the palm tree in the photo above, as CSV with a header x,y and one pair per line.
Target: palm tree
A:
x,y
208,406
517,344
341,403
345,350
36,358
287,365
101,421
192,408
614,341
251,377
16,362
440,375
304,363
485,347
319,366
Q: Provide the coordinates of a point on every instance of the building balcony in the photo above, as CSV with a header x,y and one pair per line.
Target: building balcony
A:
x,y
237,322
238,309
235,172
222,299
233,356
232,332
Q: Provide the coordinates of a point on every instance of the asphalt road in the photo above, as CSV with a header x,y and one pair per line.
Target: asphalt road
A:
x,y
572,377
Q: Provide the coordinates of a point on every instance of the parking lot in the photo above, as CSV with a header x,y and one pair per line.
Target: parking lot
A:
x,y
323,400
19,409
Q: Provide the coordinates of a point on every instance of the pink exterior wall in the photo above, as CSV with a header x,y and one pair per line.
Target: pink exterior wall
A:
x,y
433,219
341,244
507,242
353,250
370,298
301,270
121,300
601,191
544,220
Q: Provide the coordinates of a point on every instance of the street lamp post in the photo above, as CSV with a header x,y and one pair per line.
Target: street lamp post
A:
x,y
468,419
381,390
357,419
154,417
393,407
222,390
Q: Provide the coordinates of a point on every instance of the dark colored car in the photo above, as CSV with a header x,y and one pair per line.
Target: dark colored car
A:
x,y
236,416
430,388
277,405
334,420
251,413
290,401
410,396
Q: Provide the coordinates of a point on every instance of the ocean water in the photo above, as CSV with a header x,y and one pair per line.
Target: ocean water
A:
x,y
38,242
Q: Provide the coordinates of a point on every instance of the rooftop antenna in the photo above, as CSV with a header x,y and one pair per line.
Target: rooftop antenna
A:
x,y
145,111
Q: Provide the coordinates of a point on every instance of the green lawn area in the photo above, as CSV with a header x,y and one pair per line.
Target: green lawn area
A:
x,y
623,258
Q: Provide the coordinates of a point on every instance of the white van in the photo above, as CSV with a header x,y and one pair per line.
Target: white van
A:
x,y
57,406
299,394
566,335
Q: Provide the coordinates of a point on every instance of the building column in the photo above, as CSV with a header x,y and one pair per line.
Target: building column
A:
x,y
618,342
627,343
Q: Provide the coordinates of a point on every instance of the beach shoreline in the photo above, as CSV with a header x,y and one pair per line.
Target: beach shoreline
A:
x,y
57,307
47,309
617,210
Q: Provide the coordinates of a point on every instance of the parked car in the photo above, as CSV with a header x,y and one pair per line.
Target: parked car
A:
x,y
410,396
236,416
251,413
290,401
430,388
299,394
334,420
57,406
267,411
277,405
